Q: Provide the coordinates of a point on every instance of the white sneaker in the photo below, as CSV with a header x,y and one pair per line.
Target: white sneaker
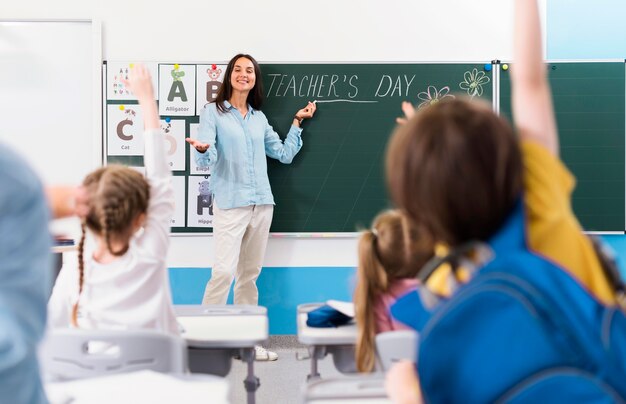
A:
x,y
262,354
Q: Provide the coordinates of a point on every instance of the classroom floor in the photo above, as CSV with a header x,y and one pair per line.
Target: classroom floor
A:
x,y
282,381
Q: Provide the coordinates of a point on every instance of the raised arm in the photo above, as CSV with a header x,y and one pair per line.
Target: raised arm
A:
x,y
140,84
155,237
533,112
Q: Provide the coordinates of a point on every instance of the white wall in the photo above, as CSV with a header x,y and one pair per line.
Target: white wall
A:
x,y
283,30
47,84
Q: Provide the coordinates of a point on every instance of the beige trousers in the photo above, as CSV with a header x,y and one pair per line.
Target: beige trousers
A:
x,y
240,236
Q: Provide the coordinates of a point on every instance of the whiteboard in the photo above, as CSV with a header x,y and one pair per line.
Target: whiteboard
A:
x,y
49,87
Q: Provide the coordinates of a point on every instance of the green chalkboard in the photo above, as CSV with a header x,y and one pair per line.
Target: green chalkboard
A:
x,y
336,182
589,102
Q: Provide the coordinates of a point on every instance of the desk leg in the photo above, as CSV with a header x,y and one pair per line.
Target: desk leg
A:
x,y
58,264
317,353
251,383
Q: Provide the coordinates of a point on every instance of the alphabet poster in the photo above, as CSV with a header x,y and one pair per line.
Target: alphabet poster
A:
x,y
173,131
209,80
200,202
178,183
193,167
177,90
124,130
116,71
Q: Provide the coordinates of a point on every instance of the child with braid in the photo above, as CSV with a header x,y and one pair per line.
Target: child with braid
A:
x,y
120,280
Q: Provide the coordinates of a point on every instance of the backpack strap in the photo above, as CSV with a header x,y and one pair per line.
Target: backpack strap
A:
x,y
453,258
609,266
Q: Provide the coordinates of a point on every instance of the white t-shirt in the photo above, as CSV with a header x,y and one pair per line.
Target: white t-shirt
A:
x,y
132,292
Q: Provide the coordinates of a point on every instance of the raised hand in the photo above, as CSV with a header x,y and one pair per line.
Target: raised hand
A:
x,y
140,83
409,110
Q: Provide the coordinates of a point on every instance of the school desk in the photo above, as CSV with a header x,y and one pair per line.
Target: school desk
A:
x,y
216,333
338,341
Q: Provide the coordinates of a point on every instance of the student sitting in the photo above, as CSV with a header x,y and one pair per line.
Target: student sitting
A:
x,y
390,255
121,281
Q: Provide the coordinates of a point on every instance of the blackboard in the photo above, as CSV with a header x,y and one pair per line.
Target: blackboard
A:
x,y
336,182
589,102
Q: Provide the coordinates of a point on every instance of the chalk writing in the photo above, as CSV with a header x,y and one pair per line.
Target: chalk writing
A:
x,y
313,86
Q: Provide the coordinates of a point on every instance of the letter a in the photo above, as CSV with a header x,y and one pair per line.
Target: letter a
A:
x,y
177,90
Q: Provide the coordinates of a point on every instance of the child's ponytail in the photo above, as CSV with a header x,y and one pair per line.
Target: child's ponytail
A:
x,y
372,282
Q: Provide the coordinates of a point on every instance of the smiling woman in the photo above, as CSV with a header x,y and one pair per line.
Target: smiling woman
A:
x,y
233,141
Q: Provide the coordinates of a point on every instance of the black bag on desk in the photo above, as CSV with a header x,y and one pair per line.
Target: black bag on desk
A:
x,y
326,316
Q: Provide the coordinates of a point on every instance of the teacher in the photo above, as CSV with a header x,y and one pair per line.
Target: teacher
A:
x,y
233,139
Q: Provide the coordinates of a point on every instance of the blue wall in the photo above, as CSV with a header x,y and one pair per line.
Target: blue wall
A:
x,y
280,290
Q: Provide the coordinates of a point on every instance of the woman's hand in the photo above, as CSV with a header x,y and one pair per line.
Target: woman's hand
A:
x,y
306,112
196,144
409,110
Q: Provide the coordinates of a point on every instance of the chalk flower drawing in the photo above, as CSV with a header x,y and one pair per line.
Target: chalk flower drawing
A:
x,y
432,96
473,82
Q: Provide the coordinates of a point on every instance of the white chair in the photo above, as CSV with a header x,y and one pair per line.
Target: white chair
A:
x,y
350,389
393,346
69,354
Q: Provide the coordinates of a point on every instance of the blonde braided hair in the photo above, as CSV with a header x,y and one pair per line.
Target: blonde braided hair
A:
x,y
117,196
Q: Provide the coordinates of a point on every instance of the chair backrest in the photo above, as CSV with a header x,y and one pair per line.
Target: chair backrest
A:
x,y
393,346
68,354
357,389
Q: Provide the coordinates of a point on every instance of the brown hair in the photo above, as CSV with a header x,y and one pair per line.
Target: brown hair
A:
x,y
456,168
393,249
255,96
117,196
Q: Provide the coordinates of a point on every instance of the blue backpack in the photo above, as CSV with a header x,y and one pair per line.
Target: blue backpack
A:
x,y
522,330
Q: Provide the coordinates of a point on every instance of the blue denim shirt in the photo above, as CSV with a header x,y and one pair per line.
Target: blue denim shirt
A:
x,y
236,155
25,267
